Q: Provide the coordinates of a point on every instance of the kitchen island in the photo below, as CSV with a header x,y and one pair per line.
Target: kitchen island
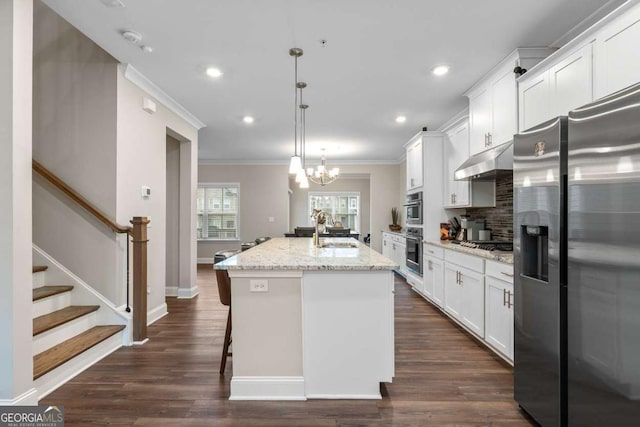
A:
x,y
311,322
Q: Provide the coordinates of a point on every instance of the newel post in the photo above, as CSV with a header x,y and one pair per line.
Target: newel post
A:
x,y
139,241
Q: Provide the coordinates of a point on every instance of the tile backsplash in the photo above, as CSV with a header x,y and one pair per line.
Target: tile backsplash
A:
x,y
500,218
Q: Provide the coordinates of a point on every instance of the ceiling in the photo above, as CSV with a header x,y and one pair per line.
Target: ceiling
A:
x,y
375,65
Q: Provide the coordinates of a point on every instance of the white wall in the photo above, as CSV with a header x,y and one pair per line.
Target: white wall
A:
x,y
172,257
141,159
300,213
263,194
74,136
16,365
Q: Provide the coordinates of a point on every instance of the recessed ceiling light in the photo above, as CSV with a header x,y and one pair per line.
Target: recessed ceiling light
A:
x,y
214,72
441,70
401,119
132,36
248,119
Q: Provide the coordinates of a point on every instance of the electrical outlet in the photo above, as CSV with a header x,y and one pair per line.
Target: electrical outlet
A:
x,y
272,219
260,285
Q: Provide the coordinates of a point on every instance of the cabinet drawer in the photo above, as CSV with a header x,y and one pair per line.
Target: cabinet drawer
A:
x,y
468,261
433,251
398,239
500,270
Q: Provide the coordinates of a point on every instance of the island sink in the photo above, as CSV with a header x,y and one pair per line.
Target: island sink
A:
x,y
339,245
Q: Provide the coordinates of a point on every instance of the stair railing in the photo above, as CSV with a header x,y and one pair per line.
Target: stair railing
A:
x,y
138,234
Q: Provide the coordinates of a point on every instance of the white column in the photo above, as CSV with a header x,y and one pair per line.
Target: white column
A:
x,y
188,287
16,52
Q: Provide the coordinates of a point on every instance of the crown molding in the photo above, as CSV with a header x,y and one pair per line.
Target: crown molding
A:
x,y
254,162
138,79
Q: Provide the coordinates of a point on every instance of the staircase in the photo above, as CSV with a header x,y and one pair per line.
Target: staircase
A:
x,y
73,326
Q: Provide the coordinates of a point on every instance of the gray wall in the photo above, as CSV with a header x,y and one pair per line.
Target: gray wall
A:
x,y
300,214
74,136
263,194
172,267
16,362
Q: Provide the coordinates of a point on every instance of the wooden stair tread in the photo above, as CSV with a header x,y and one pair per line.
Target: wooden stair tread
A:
x,y
50,359
47,291
39,268
49,321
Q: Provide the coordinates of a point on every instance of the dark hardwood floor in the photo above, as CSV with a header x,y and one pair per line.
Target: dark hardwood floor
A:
x,y
443,378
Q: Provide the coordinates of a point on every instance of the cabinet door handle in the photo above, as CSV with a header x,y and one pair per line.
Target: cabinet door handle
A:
x,y
486,139
504,297
509,303
460,282
457,277
454,198
507,274
384,243
490,142
430,265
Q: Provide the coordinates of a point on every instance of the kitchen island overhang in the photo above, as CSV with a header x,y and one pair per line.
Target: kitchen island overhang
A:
x,y
311,322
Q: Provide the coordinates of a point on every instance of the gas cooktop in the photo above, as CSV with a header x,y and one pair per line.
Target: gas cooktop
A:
x,y
487,245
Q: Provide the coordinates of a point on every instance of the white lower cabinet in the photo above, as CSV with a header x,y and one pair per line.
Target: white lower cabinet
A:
x,y
499,307
464,290
475,292
394,247
499,315
433,280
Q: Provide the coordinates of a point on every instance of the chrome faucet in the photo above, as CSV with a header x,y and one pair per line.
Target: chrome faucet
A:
x,y
319,215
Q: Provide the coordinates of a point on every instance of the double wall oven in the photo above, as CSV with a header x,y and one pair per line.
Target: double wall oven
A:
x,y
413,207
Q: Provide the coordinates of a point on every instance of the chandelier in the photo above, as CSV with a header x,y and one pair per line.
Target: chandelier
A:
x,y
322,175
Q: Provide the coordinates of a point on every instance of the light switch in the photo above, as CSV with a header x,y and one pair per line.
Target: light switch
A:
x,y
146,192
272,219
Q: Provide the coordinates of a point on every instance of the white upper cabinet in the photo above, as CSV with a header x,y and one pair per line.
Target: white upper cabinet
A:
x,y
414,163
456,151
535,101
479,120
602,60
493,101
557,90
504,108
571,81
617,54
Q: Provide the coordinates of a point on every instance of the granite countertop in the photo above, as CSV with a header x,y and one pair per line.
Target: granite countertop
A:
x,y
500,256
283,253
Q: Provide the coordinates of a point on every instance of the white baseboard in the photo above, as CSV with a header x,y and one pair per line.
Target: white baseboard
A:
x,y
157,313
205,260
28,398
345,396
171,291
188,293
267,388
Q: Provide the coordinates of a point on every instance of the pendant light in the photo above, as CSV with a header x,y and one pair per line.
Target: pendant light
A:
x,y
304,181
295,165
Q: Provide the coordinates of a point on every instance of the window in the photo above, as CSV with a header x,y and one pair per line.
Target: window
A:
x,y
218,211
344,207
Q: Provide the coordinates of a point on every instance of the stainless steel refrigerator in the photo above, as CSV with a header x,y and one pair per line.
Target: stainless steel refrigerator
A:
x,y
577,265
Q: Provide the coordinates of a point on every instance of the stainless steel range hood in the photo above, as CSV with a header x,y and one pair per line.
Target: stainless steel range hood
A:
x,y
485,165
